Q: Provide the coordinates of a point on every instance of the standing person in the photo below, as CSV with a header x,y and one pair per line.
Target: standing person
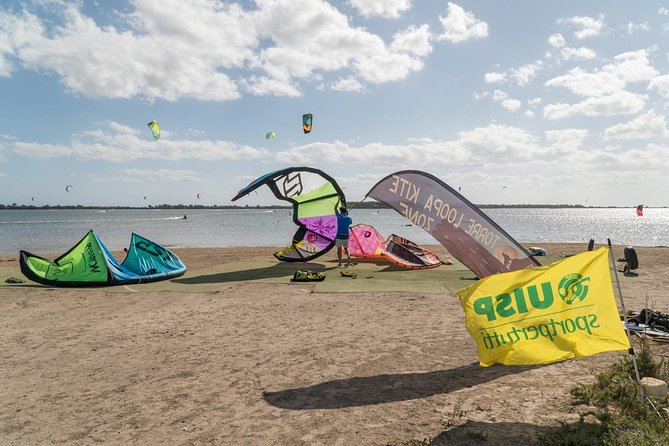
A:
x,y
341,241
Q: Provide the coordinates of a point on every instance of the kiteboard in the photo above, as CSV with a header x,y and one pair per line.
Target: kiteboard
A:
x,y
647,330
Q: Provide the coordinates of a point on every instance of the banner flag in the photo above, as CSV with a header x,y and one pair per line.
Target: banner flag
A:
x,y
546,314
463,229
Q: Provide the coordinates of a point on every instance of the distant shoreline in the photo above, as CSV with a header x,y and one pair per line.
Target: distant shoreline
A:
x,y
351,205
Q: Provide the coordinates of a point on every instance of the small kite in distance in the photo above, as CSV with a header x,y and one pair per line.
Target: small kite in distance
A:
x,y
639,210
307,122
68,187
198,196
155,129
270,135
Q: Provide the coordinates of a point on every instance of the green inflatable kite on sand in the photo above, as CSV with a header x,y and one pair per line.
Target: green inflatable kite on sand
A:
x,y
90,263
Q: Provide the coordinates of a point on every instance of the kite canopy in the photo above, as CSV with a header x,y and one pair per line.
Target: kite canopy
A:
x,y
68,187
307,121
155,129
366,242
315,197
89,263
270,135
461,227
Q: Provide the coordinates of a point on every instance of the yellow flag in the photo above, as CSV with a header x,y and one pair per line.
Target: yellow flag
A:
x,y
546,314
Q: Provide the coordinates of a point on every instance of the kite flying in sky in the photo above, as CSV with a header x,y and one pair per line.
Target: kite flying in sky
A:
x,y
155,129
270,135
307,121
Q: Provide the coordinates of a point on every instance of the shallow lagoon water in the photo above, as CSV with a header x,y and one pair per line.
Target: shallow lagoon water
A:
x,y
54,231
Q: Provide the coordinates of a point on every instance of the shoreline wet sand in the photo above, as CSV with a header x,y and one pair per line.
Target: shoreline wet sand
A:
x,y
237,354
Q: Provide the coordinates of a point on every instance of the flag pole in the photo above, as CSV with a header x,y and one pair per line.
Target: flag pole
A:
x,y
629,336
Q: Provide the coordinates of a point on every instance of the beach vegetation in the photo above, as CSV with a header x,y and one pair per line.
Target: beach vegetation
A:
x,y
614,413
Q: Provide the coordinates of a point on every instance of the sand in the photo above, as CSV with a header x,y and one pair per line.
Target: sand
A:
x,y
252,359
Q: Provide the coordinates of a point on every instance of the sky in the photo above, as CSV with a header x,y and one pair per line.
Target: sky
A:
x,y
512,102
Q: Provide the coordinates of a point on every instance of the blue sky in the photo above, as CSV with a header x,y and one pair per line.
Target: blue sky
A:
x,y
513,102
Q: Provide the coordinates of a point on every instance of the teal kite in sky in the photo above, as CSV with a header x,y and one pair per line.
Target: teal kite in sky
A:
x,y
155,129
307,122
270,135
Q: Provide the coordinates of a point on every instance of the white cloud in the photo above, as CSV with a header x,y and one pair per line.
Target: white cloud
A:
x,y
651,157
506,102
384,68
415,40
16,32
565,141
526,73
511,104
582,83
587,26
40,151
604,88
389,9
661,85
460,25
534,102
161,175
263,86
348,84
494,77
493,145
191,42
480,96
648,125
577,53
620,102
120,143
663,11
522,75
634,27
632,66
210,51
557,40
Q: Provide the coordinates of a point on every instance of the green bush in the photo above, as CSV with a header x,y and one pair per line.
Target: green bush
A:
x,y
624,417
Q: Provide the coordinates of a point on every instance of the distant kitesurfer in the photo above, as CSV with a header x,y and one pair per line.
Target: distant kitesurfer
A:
x,y
185,217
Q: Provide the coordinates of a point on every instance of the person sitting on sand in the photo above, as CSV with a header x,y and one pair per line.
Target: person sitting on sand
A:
x,y
344,222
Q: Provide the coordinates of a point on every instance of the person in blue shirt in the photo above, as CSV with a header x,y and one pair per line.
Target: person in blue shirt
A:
x,y
341,241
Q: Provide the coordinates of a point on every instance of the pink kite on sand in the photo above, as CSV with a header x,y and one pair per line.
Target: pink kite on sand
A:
x,y
368,243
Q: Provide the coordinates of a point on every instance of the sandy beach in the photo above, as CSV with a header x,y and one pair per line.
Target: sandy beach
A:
x,y
233,353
